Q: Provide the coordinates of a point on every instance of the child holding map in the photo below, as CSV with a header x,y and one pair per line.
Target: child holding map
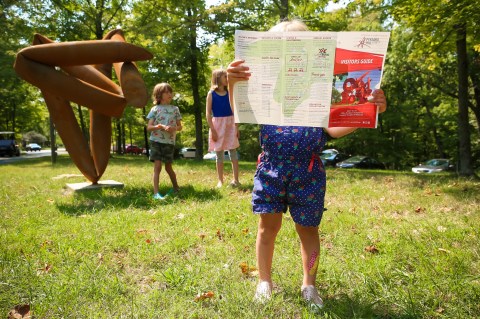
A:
x,y
223,133
290,175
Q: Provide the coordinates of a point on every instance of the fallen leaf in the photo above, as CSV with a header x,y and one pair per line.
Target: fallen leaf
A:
x,y
247,270
439,310
201,235
419,210
148,241
142,231
372,249
245,231
219,234
20,312
204,295
46,243
46,268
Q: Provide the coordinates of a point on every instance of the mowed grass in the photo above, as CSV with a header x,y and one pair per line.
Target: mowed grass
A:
x,y
393,245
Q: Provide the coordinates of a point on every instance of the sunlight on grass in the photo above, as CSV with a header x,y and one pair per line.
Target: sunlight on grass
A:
x,y
394,245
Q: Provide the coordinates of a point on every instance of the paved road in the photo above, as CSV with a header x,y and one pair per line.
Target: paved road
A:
x,y
27,155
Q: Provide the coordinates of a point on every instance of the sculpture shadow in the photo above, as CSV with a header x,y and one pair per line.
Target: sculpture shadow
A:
x,y
88,202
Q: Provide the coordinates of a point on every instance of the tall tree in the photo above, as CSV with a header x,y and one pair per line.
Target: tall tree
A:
x,y
445,25
171,31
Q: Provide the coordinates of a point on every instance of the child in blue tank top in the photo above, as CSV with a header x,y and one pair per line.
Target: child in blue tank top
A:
x,y
290,175
223,133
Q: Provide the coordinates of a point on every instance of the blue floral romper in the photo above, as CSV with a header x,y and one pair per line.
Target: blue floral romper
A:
x,y
290,173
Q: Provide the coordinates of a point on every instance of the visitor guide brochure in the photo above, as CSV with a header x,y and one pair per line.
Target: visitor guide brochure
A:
x,y
309,78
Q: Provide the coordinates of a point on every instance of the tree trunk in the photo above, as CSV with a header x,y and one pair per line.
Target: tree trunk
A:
x,y
283,8
464,145
119,137
145,135
53,142
474,76
438,141
124,137
82,123
195,90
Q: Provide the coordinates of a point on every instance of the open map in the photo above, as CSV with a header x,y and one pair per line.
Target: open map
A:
x,y
317,79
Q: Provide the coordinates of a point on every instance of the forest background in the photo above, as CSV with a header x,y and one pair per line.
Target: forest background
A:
x,y
431,76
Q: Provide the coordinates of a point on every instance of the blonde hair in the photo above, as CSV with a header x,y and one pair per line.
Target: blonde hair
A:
x,y
216,75
293,25
158,91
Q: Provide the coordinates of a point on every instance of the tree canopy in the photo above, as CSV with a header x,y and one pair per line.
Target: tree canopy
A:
x,y
431,76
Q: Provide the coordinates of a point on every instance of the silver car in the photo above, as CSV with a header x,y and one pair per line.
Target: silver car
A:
x,y
433,166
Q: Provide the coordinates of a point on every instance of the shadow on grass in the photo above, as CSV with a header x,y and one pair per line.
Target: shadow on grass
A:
x,y
344,306
89,202
462,188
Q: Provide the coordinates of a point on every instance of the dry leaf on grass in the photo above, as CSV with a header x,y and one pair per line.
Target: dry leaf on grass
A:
x,y
45,269
20,312
419,210
372,249
247,270
204,295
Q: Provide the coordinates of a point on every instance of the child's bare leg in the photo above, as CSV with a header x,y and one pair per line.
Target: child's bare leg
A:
x,y
157,168
234,160
268,228
310,248
172,175
219,163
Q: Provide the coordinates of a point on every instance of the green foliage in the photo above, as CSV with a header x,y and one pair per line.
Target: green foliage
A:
x,y
420,75
117,253
33,137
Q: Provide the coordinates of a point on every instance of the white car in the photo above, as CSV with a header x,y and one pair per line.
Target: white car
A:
x,y
433,166
33,147
213,156
187,152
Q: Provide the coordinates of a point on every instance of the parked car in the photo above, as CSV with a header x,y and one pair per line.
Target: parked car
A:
x,y
8,145
133,149
361,162
332,157
33,147
187,152
434,166
213,156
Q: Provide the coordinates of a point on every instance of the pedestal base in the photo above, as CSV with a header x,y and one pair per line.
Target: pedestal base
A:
x,y
89,186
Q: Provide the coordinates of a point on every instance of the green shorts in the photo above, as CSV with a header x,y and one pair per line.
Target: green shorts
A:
x,y
161,152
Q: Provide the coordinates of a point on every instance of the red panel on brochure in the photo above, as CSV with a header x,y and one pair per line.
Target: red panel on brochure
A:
x,y
355,69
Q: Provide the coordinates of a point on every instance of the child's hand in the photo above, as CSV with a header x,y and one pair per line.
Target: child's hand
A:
x,y
166,128
214,135
380,100
237,71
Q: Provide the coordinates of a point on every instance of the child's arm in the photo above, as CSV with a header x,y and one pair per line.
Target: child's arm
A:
x,y
210,116
152,127
179,126
380,102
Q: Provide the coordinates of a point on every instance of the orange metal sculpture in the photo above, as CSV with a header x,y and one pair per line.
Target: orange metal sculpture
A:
x,y
81,72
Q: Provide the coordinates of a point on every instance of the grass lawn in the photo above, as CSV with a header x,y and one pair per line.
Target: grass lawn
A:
x,y
393,245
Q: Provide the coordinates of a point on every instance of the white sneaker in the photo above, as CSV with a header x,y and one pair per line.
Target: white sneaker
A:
x,y
264,292
310,294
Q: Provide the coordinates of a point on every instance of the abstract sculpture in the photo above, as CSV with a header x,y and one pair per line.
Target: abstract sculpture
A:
x,y
84,77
